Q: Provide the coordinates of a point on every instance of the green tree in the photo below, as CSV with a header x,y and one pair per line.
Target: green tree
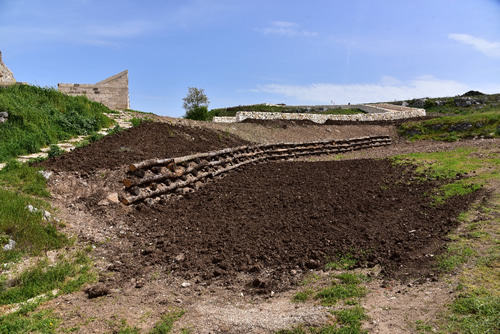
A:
x,y
196,104
197,113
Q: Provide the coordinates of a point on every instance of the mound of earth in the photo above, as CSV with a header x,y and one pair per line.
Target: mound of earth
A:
x,y
146,141
395,122
262,227
280,123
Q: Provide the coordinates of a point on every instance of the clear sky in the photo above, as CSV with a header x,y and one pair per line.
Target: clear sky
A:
x,y
256,51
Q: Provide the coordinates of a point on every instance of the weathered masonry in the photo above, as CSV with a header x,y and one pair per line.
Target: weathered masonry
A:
x,y
373,112
112,92
6,75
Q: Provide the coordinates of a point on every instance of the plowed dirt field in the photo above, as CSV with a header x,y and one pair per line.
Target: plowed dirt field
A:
x,y
257,231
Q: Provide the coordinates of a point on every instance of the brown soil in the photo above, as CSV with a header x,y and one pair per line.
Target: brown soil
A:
x,y
256,231
148,140
256,226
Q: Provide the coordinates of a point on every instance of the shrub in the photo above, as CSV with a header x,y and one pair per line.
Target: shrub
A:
x,y
54,151
136,121
198,113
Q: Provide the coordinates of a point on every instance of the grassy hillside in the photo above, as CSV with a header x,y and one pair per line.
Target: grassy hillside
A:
x,y
471,115
472,102
39,117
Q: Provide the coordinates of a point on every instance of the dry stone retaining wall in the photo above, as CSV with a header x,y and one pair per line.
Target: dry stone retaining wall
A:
x,y
374,112
158,179
224,119
321,118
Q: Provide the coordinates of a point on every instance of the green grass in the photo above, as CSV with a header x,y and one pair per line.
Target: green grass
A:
x,y
342,261
422,327
473,254
452,128
32,233
23,178
348,321
25,321
54,151
475,313
457,188
466,170
455,255
136,121
167,322
22,185
488,103
67,275
331,295
164,326
39,117
302,296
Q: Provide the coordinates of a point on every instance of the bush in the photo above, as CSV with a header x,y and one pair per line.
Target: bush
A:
x,y
197,113
54,151
136,121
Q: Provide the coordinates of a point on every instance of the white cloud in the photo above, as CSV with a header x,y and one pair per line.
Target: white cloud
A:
x,y
490,49
285,28
388,89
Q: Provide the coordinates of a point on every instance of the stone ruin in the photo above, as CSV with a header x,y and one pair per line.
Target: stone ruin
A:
x,y
112,92
6,75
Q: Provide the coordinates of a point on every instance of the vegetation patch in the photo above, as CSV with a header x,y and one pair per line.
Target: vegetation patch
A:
x,y
39,117
23,178
164,326
342,261
452,128
39,283
467,170
347,287
28,321
475,313
67,275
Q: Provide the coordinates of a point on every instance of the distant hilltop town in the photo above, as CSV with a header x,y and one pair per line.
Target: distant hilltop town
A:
x,y
112,92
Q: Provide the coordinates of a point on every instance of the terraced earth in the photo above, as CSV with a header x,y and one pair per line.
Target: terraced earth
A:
x,y
243,239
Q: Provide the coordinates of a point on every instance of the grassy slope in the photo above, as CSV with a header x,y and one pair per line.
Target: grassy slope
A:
x,y
39,117
456,121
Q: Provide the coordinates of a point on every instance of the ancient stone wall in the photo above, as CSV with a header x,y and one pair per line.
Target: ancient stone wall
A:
x,y
112,92
321,118
224,119
374,112
6,75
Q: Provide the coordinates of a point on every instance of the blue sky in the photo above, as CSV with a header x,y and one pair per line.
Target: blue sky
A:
x,y
245,52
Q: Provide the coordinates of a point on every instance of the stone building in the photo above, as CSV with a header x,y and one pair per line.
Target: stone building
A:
x,y
6,76
112,92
